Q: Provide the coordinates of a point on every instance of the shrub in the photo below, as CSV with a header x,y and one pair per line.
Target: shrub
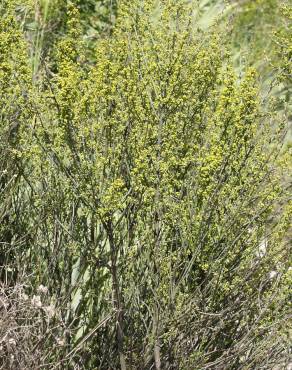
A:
x,y
152,182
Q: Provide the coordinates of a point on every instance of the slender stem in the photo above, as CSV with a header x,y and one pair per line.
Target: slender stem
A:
x,y
117,301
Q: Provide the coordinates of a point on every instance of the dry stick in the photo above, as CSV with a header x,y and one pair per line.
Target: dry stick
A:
x,y
157,343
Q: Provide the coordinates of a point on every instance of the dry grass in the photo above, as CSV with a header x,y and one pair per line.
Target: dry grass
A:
x,y
30,329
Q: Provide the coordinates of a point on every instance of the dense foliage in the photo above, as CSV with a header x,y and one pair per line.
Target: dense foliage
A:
x,y
144,188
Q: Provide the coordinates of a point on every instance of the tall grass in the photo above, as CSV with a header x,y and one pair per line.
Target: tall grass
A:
x,y
41,20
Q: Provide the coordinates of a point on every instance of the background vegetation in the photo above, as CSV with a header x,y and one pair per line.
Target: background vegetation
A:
x,y
145,184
